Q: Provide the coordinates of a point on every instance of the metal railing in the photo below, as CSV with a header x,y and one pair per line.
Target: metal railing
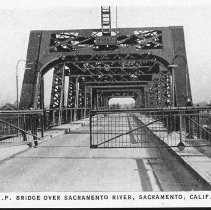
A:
x,y
54,117
28,126
114,128
21,127
177,127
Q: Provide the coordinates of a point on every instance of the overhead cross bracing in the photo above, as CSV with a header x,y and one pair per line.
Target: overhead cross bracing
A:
x,y
109,74
152,60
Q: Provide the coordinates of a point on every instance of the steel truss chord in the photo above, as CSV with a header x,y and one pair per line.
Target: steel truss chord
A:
x,y
71,100
57,92
81,95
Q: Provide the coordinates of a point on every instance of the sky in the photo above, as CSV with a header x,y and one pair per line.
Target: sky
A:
x,y
18,17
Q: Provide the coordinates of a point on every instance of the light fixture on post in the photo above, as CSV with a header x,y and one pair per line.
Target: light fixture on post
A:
x,y
173,67
17,89
77,96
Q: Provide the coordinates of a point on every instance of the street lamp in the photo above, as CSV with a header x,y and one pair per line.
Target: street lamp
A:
x,y
77,94
181,66
173,66
17,90
77,91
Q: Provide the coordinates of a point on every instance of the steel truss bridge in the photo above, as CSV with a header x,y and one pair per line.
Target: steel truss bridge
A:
x,y
90,67
147,64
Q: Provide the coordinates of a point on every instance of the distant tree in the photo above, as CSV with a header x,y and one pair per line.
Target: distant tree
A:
x,y
115,106
118,106
8,106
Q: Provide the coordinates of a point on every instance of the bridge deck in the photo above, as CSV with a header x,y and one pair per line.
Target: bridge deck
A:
x,y
66,163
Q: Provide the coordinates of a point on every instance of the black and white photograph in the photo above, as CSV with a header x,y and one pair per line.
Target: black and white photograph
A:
x,y
105,103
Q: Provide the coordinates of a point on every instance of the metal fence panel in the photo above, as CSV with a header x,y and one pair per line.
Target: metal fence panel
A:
x,y
25,127
144,127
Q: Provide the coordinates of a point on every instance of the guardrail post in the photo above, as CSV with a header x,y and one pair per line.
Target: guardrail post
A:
x,y
90,128
181,145
65,115
92,113
84,114
53,119
71,115
24,122
60,117
43,123
180,123
199,123
34,127
75,114
46,120
24,136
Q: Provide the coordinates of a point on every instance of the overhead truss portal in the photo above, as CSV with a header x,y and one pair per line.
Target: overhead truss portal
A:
x,y
105,63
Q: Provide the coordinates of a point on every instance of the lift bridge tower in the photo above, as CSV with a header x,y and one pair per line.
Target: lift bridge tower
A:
x,y
148,64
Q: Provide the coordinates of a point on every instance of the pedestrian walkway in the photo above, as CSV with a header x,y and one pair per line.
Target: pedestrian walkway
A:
x,y
8,150
195,154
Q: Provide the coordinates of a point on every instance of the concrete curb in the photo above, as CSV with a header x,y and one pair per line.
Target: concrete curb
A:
x,y
8,152
183,171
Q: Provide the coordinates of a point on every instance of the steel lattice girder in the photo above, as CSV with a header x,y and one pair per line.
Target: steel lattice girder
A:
x,y
88,48
71,93
114,39
57,99
107,73
96,71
